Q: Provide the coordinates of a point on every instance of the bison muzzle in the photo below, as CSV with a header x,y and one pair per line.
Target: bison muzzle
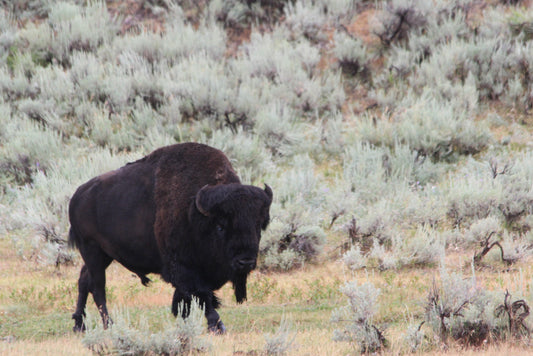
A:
x,y
180,212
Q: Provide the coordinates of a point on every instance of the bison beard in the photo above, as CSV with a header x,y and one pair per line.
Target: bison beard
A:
x,y
180,212
239,286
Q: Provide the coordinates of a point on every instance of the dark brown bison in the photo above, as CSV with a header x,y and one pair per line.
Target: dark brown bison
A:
x,y
180,212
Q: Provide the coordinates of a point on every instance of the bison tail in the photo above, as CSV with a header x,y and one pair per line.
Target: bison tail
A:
x,y
72,239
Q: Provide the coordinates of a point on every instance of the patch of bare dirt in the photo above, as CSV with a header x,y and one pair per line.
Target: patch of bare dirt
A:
x,y
362,25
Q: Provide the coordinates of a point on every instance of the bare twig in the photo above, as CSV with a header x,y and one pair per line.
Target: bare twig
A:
x,y
495,169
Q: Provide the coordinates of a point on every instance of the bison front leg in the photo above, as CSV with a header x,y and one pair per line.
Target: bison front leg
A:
x,y
181,304
210,302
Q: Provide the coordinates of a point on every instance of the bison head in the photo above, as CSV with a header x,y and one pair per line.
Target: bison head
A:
x,y
228,219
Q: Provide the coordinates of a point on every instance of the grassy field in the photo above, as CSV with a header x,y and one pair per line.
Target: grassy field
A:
x,y
36,304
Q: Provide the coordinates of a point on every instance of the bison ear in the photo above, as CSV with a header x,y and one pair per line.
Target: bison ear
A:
x,y
198,202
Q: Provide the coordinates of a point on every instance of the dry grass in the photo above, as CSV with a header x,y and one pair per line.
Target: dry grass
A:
x,y
54,347
38,321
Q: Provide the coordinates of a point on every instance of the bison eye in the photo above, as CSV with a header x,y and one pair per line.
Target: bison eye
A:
x,y
220,229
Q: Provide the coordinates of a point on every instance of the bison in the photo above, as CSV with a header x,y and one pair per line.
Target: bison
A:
x,y
180,212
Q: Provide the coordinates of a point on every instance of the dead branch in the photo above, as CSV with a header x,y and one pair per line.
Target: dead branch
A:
x,y
516,313
487,246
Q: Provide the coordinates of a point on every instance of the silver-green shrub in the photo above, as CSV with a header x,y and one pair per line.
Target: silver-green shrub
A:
x,y
75,28
458,307
239,13
482,229
384,258
351,53
516,197
280,129
294,237
290,69
353,258
8,34
28,148
251,159
128,336
368,168
305,19
358,318
25,10
202,86
16,85
295,234
414,337
470,198
426,247
282,340
399,17
477,325
430,127
178,41
513,249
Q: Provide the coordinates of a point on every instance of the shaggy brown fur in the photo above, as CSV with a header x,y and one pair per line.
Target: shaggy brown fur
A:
x,y
180,212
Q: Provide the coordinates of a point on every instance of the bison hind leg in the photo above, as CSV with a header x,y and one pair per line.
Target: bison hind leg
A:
x,y
83,292
92,280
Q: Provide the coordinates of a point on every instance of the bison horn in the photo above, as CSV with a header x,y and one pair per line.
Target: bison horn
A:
x,y
268,192
197,202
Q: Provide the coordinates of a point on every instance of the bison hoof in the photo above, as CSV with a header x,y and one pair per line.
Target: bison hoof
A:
x,y
78,329
218,328
79,325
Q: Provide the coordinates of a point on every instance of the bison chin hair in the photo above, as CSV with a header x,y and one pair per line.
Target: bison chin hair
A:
x,y
239,287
